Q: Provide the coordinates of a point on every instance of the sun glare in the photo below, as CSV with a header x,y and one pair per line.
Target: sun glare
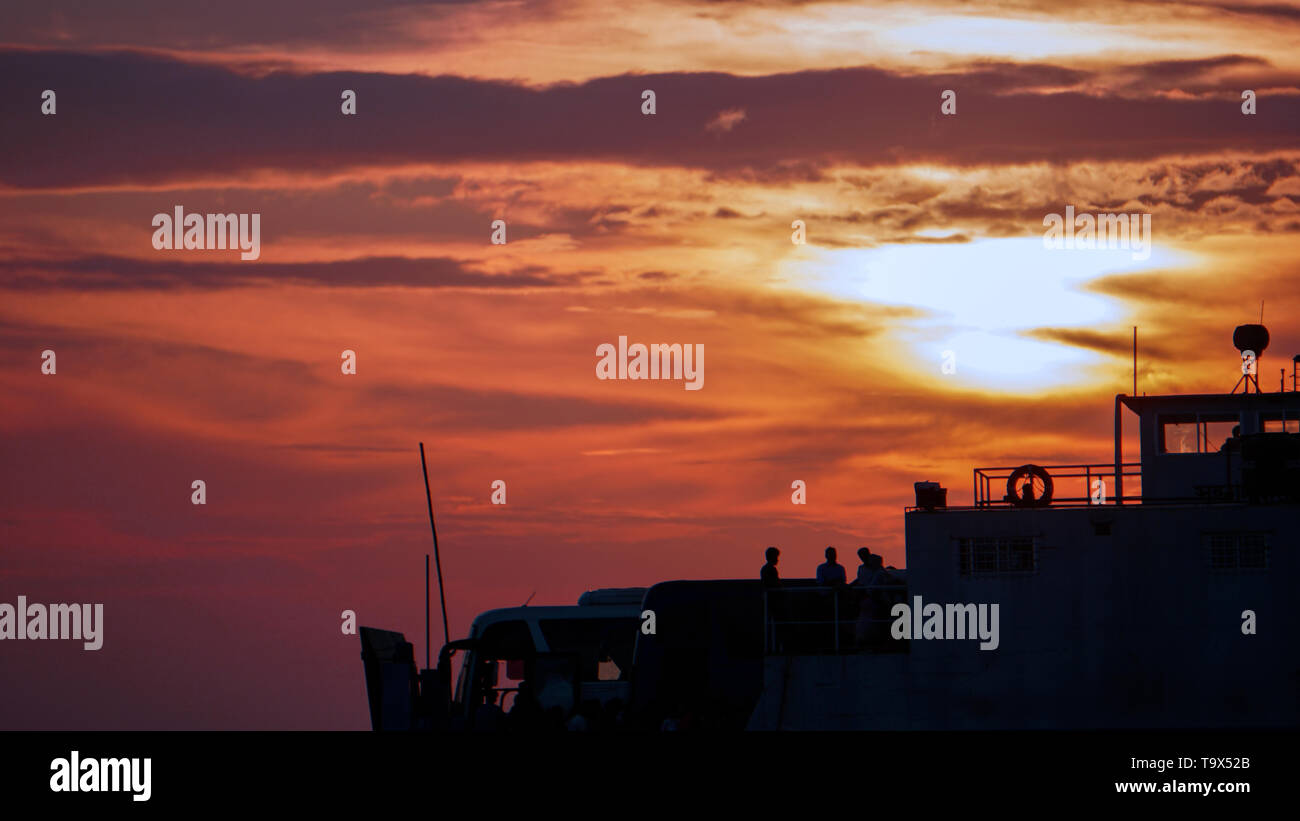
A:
x,y
978,300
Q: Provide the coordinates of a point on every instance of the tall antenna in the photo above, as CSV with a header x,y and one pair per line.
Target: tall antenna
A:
x,y
446,634
1135,360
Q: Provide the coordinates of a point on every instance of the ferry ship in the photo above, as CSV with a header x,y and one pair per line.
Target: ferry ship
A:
x,y
1156,597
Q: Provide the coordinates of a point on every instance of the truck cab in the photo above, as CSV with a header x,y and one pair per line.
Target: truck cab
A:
x,y
566,657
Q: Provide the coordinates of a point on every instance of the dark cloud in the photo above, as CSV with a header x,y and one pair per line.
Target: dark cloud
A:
x,y
127,117
246,24
451,408
110,272
1190,197
1173,288
1117,343
1276,12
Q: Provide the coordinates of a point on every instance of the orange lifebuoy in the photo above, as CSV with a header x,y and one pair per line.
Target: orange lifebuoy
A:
x,y
1029,500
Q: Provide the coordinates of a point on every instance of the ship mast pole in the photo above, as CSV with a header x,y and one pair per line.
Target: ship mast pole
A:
x,y
446,634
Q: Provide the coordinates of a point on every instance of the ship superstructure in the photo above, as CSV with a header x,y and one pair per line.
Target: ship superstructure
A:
x,y
1159,593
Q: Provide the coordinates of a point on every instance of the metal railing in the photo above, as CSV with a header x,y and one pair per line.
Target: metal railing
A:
x,y
990,484
785,617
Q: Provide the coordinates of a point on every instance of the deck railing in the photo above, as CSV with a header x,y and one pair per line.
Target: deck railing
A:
x,y
814,620
991,484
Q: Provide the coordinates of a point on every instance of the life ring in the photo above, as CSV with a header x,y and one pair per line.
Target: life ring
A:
x,y
1030,472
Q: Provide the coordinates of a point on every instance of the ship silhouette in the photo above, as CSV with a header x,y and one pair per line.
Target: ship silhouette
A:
x,y
1158,597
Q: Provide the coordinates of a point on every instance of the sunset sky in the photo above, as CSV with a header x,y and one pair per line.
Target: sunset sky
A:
x,y
822,360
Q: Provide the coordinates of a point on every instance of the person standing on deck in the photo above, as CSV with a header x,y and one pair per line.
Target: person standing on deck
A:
x,y
771,581
768,575
830,573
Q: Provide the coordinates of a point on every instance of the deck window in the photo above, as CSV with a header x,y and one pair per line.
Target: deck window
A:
x,y
1237,551
996,555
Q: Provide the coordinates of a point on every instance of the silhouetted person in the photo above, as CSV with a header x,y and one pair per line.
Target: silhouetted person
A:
x,y
865,570
880,574
1232,442
872,572
771,582
876,603
525,715
768,575
830,573
1027,491
861,584
488,716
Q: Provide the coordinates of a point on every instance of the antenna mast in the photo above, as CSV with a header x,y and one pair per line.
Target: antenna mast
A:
x,y
446,634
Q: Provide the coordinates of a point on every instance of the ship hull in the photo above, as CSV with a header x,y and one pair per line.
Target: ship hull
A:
x,y
1138,616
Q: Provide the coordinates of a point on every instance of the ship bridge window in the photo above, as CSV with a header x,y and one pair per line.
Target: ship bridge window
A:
x,y
1281,423
1237,551
1196,432
994,555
